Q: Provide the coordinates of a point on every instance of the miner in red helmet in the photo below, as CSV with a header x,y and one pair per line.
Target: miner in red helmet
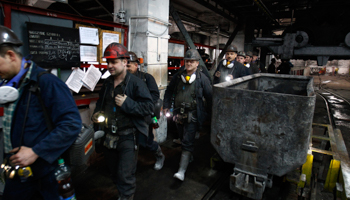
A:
x,y
124,101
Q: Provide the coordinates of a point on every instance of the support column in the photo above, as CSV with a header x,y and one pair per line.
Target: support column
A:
x,y
148,34
148,37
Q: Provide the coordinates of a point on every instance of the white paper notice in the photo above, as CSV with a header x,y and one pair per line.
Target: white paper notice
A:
x,y
88,35
92,76
74,80
88,53
106,75
109,38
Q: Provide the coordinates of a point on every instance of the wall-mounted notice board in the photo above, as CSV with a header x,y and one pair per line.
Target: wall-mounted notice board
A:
x,y
107,37
53,46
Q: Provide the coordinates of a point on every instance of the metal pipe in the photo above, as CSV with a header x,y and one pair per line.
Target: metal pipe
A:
x,y
217,48
151,17
269,39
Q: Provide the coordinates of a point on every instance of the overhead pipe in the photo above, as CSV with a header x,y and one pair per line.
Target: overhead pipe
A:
x,y
153,19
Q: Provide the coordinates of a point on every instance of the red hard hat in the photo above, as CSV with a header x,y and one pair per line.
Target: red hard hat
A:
x,y
116,50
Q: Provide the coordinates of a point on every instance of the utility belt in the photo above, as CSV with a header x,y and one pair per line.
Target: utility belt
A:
x,y
186,115
111,139
186,107
116,127
116,131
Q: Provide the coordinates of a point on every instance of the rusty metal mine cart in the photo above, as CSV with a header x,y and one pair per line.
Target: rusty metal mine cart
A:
x,y
262,124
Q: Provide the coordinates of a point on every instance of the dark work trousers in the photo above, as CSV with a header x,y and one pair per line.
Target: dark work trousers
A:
x,y
151,144
47,186
187,131
122,164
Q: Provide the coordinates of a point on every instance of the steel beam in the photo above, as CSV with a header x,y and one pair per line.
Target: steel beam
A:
x,y
339,169
229,41
322,51
187,37
345,161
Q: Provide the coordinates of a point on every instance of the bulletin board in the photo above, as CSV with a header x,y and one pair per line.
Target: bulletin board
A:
x,y
107,37
88,52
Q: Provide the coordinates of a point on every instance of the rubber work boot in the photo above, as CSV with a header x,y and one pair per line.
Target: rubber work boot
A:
x,y
98,134
185,159
160,159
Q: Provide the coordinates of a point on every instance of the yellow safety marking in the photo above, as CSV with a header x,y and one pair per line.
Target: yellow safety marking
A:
x,y
325,152
307,170
213,160
332,175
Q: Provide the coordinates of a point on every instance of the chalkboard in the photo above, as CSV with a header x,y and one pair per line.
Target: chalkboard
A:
x,y
53,46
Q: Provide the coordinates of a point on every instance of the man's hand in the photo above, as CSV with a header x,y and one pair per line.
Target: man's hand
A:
x,y
24,157
119,99
218,74
231,77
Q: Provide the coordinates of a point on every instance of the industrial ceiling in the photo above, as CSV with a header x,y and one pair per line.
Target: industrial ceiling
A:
x,y
325,21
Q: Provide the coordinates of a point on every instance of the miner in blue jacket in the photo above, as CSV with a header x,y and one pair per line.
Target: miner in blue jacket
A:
x,y
28,141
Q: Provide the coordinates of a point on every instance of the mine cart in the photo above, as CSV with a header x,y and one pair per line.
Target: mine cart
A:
x,y
262,124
